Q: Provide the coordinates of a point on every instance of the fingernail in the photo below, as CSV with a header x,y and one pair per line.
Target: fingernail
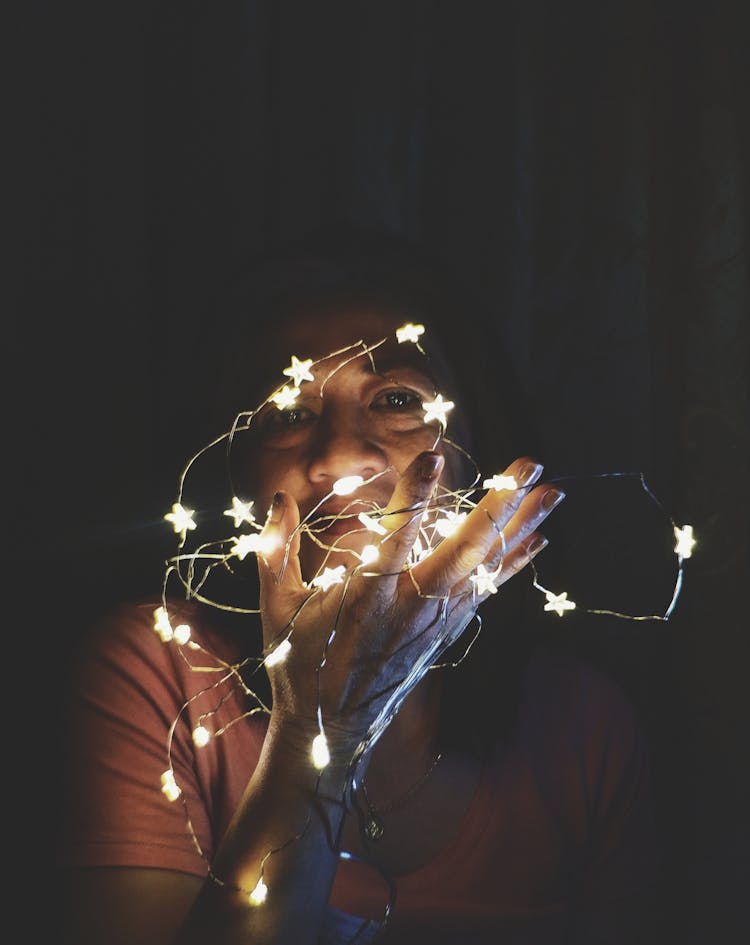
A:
x,y
529,473
552,498
277,508
429,464
536,546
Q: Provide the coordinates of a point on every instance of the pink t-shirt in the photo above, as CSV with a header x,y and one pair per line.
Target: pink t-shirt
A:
x,y
563,811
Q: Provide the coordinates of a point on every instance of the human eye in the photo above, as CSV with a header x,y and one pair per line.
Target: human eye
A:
x,y
398,400
287,418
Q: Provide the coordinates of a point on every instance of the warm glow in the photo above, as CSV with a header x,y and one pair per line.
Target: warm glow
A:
x,y
448,522
409,332
279,654
346,485
320,754
484,580
299,371
558,602
162,625
372,524
258,896
369,554
253,544
182,633
329,577
685,541
437,409
500,482
169,786
285,397
240,512
181,519
201,736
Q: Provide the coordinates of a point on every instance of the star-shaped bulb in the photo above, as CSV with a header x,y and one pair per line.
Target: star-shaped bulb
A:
x,y
299,371
346,485
437,409
182,633
558,602
484,580
240,512
684,541
329,577
181,519
162,624
253,544
258,896
500,482
372,524
169,786
448,522
369,554
285,397
320,754
409,332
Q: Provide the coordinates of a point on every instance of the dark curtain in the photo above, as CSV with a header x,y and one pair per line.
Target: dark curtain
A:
x,y
583,170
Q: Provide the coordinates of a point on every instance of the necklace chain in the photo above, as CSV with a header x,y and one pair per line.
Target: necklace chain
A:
x,y
373,827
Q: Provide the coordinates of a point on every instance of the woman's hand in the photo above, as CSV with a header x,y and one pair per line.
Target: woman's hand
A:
x,y
354,643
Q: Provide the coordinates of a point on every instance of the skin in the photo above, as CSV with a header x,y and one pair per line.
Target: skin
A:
x,y
371,425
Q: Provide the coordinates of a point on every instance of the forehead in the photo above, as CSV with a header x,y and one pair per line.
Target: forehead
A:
x,y
339,337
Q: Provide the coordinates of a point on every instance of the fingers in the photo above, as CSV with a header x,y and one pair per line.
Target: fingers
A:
x,y
493,531
278,553
404,512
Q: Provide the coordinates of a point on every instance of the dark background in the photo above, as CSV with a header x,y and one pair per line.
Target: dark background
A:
x,y
581,167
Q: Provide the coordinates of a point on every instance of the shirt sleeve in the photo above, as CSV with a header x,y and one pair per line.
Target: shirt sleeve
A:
x,y
128,690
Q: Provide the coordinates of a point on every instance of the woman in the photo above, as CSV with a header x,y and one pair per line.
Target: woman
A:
x,y
346,812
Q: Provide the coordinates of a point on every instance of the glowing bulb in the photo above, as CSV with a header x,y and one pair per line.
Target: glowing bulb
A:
x,y
299,371
285,397
279,654
371,524
369,554
181,519
346,485
484,580
169,786
409,332
182,633
162,625
685,541
255,544
558,602
240,512
258,896
447,524
329,577
437,410
320,754
201,736
500,482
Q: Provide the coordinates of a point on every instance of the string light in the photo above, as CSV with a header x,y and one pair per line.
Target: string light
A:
x,y
499,482
329,577
240,512
484,580
447,514
346,485
285,397
409,332
437,409
321,756
299,371
559,603
181,519
279,654
684,541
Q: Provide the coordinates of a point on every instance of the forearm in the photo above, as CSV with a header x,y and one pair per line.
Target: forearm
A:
x,y
284,810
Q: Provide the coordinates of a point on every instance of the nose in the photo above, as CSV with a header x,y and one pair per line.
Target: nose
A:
x,y
341,448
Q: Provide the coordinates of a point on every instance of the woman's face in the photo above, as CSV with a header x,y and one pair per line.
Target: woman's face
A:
x,y
360,416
